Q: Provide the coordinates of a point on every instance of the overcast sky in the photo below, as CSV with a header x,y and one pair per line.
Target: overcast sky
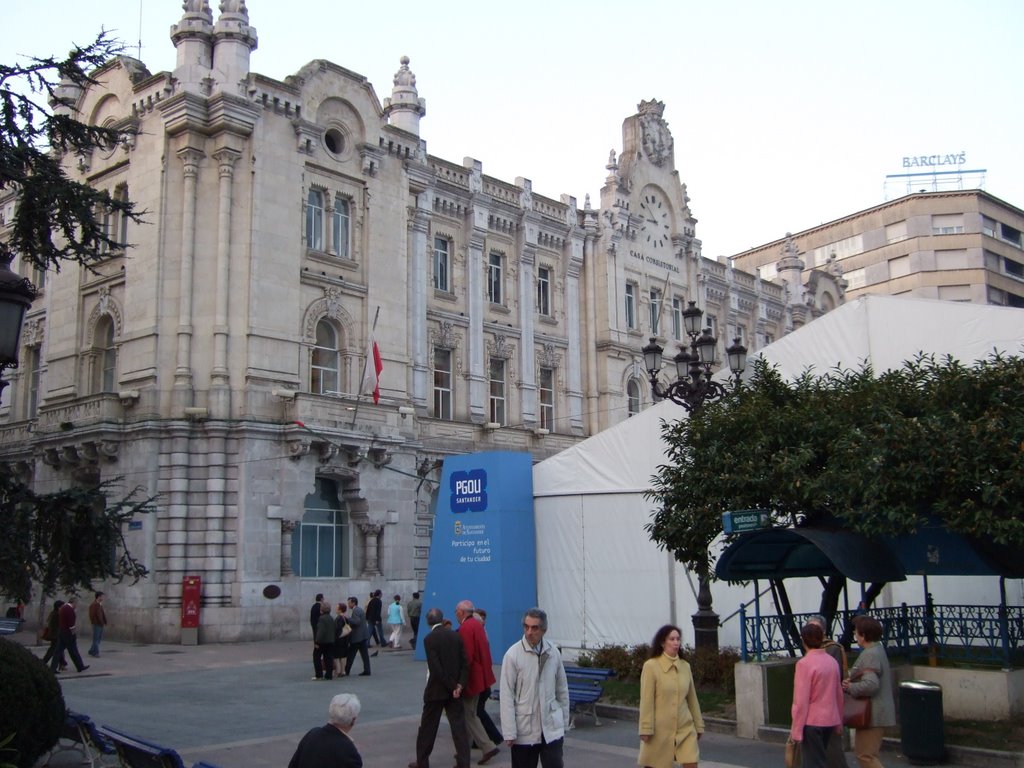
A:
x,y
784,114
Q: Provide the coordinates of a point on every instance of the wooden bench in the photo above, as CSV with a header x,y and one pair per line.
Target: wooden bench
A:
x,y
80,734
139,753
586,686
10,626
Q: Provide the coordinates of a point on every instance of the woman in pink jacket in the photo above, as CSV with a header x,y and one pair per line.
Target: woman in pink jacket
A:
x,y
817,699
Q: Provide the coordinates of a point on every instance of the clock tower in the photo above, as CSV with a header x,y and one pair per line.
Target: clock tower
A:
x,y
646,259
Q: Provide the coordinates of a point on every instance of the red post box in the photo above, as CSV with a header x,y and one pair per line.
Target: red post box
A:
x,y
191,589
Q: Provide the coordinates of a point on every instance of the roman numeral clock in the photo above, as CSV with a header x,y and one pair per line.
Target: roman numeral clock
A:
x,y
656,229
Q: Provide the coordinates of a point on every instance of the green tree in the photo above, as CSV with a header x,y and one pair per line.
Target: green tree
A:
x,y
57,219
62,541
875,453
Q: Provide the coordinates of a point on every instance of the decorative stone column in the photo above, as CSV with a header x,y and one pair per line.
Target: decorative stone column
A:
x,y
287,529
190,158
219,378
371,537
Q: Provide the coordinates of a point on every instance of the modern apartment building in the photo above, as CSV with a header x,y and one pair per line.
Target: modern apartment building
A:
x,y
957,245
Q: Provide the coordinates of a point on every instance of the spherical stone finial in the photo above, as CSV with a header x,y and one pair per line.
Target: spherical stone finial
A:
x,y
404,78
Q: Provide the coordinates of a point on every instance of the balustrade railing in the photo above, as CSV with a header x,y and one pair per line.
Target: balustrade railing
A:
x,y
981,634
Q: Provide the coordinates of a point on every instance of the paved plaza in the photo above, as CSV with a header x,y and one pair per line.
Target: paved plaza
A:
x,y
247,705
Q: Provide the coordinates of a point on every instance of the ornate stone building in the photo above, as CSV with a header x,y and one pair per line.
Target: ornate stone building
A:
x,y
218,362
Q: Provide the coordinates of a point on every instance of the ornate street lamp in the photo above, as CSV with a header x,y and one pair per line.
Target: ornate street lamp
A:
x,y
693,388
693,385
16,296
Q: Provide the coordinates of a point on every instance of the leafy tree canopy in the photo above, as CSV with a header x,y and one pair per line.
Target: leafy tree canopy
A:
x,y
63,541
57,219
877,453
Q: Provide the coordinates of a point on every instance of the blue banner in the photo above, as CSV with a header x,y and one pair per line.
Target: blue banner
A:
x,y
483,547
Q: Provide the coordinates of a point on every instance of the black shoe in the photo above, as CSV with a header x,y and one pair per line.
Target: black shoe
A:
x,y
373,654
364,674
84,668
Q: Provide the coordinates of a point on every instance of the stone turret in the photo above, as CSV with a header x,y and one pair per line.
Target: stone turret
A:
x,y
405,108
193,39
234,40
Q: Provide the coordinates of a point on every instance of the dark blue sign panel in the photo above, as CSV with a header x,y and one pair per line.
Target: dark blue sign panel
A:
x,y
483,547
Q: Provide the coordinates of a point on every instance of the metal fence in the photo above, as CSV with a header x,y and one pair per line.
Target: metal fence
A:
x,y
980,634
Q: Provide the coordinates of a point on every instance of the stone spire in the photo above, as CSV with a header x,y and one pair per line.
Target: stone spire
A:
x,y
790,270
405,108
193,38
234,40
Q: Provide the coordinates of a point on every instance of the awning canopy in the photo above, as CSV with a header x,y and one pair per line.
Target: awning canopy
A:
x,y
783,553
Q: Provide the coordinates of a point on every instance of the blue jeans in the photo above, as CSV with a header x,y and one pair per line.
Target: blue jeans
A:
x,y
97,635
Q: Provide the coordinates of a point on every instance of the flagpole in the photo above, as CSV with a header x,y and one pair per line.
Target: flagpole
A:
x,y
664,298
366,364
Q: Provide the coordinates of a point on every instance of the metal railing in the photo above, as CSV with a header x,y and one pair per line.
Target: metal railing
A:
x,y
980,634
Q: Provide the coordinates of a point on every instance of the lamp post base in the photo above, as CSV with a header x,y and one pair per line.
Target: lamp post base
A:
x,y
705,620
705,630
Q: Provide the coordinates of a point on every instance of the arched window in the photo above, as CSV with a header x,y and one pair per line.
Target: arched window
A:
x,y
315,220
324,371
632,398
105,371
320,544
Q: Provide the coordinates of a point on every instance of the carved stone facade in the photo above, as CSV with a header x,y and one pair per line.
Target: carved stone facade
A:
x,y
217,363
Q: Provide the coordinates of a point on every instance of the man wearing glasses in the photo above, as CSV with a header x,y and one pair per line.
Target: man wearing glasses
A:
x,y
534,697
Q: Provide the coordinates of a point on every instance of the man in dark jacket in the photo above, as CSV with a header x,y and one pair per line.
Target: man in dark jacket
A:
x,y
323,645
314,612
447,674
68,636
374,609
330,746
357,638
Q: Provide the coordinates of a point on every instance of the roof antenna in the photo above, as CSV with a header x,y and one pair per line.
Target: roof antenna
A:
x,y
139,57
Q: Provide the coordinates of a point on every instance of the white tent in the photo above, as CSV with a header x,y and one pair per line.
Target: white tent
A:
x,y
605,582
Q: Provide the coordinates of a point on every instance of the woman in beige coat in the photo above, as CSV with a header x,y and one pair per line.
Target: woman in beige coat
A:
x,y
670,720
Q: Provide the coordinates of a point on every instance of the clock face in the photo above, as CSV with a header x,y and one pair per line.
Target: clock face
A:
x,y
656,230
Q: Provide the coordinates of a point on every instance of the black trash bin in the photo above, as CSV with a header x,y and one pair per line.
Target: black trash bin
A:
x,y
922,729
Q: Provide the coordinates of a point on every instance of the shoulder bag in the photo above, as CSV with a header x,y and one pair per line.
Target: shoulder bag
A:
x,y
856,712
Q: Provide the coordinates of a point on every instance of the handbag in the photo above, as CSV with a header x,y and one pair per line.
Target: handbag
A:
x,y
856,712
793,754
346,630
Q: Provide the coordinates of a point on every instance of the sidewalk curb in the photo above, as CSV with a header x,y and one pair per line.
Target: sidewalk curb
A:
x,y
971,756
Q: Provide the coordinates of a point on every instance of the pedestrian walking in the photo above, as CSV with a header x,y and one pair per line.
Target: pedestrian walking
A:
x,y
447,673
68,636
396,622
481,676
323,645
817,709
98,619
358,638
413,608
670,718
534,697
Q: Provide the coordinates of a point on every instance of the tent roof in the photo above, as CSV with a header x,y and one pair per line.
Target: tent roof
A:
x,y
620,459
782,553
883,330
886,331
